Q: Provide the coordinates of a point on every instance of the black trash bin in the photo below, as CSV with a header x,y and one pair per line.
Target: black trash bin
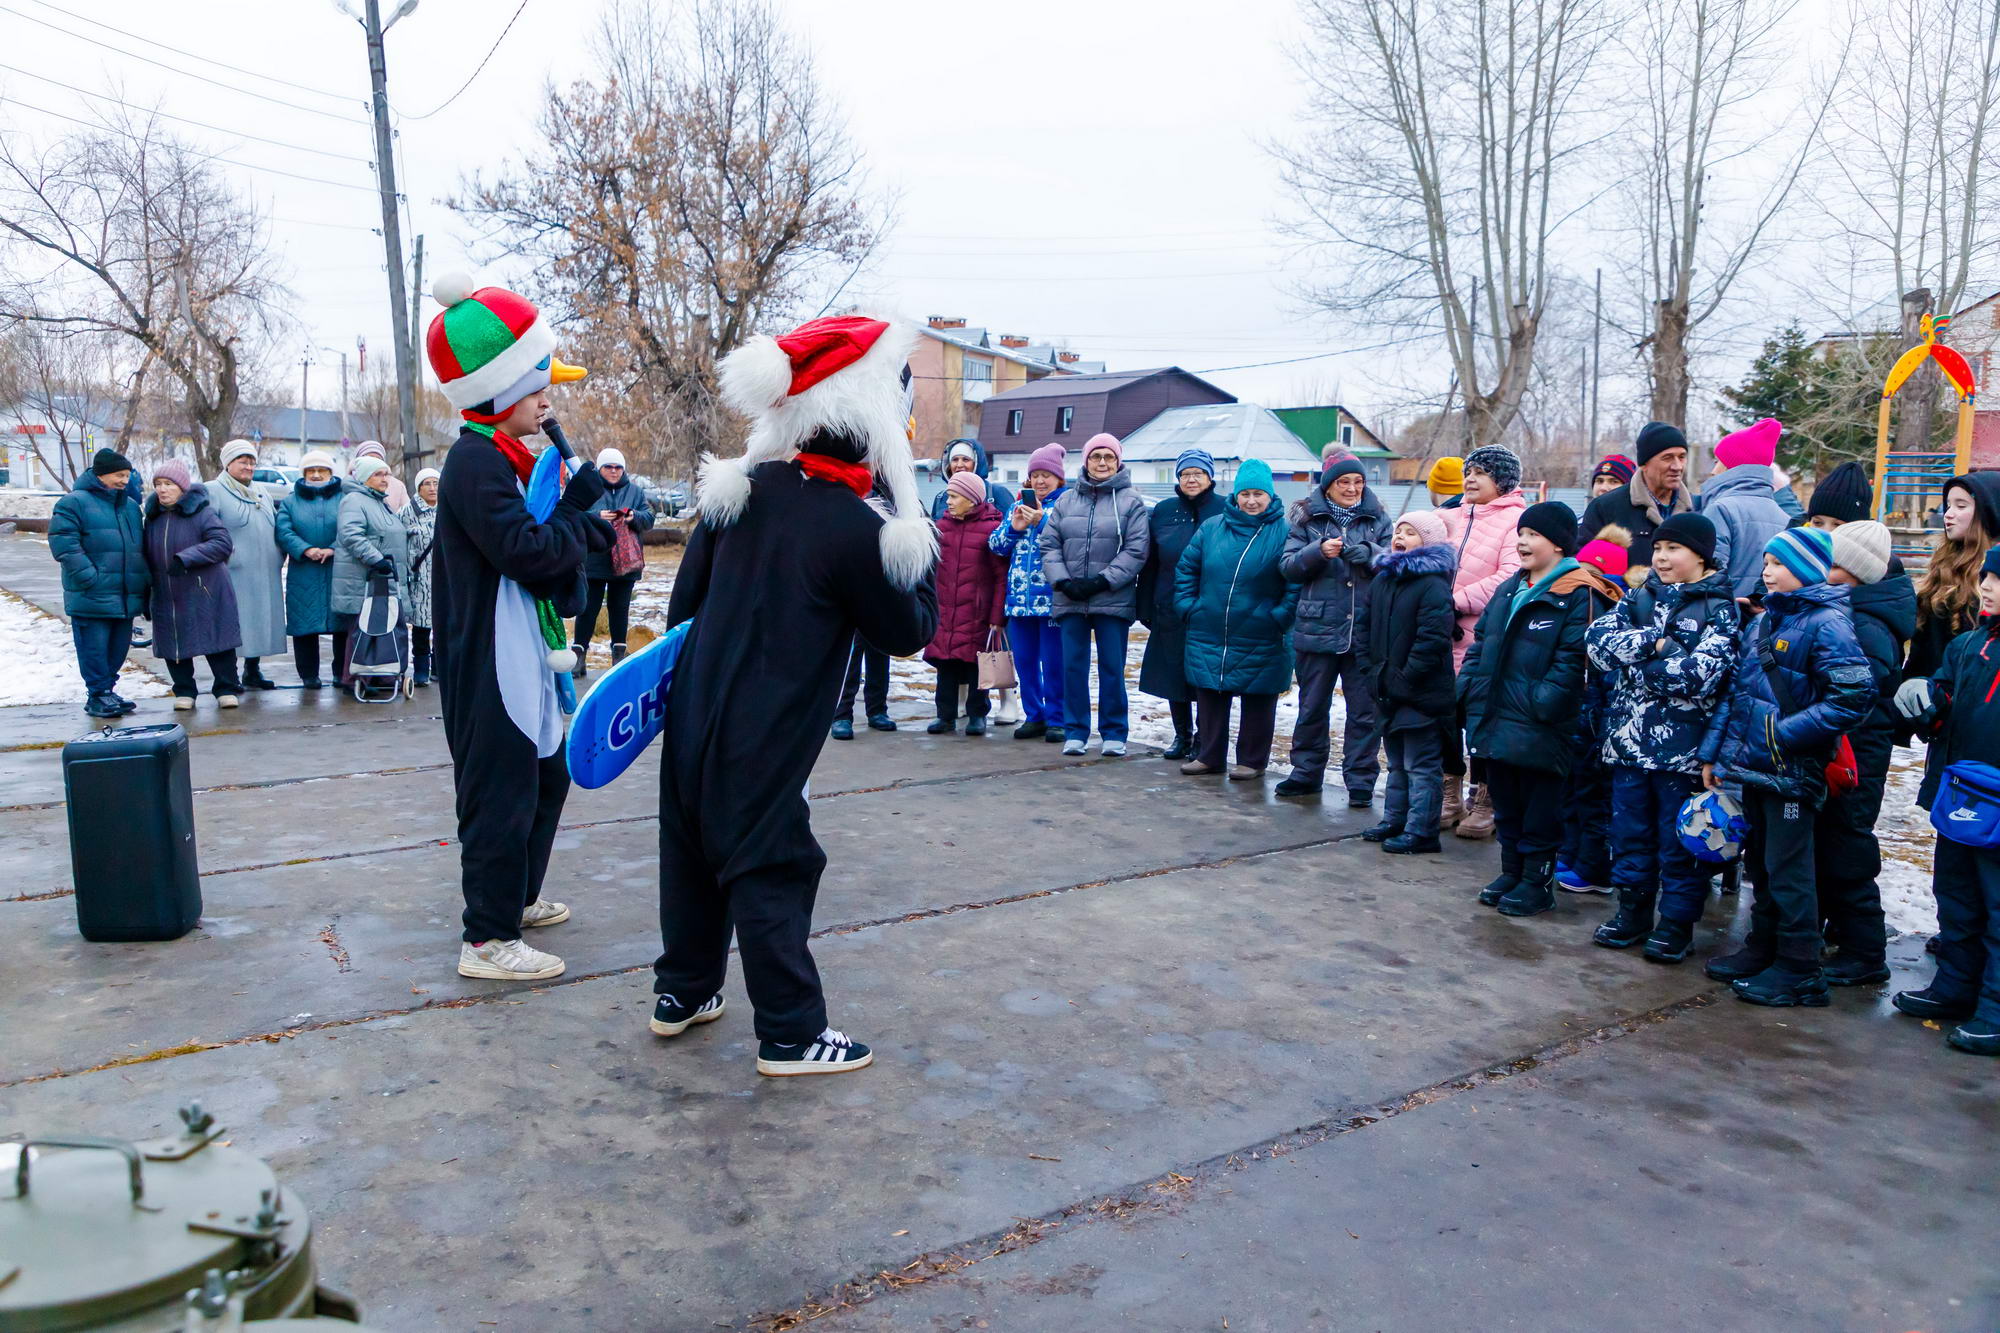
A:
x,y
131,833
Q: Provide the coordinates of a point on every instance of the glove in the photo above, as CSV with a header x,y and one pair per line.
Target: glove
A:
x,y
383,567
1067,587
1913,698
1093,586
585,489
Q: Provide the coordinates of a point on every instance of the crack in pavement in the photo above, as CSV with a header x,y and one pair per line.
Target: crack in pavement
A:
x,y
504,992
21,747
1174,1189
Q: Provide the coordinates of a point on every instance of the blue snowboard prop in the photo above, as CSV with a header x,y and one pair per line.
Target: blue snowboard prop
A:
x,y
624,711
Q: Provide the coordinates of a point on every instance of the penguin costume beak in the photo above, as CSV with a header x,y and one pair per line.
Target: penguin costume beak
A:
x,y
561,372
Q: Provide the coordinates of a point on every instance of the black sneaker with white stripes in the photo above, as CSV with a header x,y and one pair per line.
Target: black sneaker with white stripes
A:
x,y
671,1017
832,1052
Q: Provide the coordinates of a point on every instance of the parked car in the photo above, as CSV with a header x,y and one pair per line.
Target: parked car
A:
x,y
668,501
277,482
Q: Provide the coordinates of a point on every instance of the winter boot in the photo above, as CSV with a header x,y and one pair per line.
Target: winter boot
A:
x,y
582,661
1454,802
843,729
1031,731
1381,832
1182,747
1536,893
1296,787
103,705
617,653
254,677
1632,923
1358,799
1478,819
1785,983
1409,844
423,669
1758,952
1853,967
1975,1038
1926,1003
1670,942
944,726
1506,882
881,722
975,726
124,705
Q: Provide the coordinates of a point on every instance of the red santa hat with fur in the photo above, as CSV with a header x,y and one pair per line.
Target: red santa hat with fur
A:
x,y
846,376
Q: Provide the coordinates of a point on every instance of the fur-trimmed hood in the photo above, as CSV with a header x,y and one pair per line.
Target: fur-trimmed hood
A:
x,y
1431,558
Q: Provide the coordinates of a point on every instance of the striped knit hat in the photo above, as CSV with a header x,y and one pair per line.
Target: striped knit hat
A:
x,y
1807,552
490,348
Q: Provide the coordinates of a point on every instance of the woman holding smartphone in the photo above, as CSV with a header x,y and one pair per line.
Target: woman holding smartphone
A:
x,y
624,502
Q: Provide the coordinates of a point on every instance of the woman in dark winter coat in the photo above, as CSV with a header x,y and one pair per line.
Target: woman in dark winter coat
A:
x,y
624,503
1665,652
193,603
972,597
308,530
1335,535
1948,592
1163,670
1094,545
1238,606
372,540
420,519
96,533
1958,710
1520,685
1801,684
1407,627
1031,632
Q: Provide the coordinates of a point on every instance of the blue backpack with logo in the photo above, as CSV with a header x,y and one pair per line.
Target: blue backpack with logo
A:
x,y
1967,806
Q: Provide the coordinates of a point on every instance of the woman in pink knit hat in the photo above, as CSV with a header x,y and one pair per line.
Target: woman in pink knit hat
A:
x,y
1741,500
971,593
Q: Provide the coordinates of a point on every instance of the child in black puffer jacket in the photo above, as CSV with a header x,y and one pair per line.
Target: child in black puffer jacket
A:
x,y
1406,628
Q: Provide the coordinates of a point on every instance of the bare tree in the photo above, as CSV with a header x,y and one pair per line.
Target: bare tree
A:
x,y
1704,65
699,189
1438,171
125,230
54,387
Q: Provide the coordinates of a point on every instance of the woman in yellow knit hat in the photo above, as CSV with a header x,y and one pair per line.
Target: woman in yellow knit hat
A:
x,y
1446,482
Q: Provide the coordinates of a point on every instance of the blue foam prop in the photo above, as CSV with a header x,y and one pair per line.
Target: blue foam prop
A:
x,y
545,484
624,711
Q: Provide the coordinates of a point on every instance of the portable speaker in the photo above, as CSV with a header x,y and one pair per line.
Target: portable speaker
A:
x,y
131,833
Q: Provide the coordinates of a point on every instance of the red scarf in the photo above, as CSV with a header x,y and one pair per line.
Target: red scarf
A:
x,y
516,453
855,476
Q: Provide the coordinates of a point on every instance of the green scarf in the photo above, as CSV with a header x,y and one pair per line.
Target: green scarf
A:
x,y
1526,592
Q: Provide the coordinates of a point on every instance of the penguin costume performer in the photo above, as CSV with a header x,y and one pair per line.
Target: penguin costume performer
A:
x,y
790,561
500,579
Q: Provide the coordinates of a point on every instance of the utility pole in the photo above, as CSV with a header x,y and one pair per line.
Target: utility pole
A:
x,y
392,230
416,341
344,436
1596,358
305,388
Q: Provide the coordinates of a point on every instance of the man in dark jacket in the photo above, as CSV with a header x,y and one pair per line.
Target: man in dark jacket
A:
x,y
1521,683
968,455
1801,684
1655,493
95,535
1336,533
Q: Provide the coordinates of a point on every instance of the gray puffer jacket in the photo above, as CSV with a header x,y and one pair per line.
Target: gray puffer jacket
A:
x,y
1334,592
371,534
1098,528
1742,503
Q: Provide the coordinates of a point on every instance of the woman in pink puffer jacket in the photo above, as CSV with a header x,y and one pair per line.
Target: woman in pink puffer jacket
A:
x,y
1481,529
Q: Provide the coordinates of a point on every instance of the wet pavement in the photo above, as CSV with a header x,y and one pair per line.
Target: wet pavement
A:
x,y
1155,1052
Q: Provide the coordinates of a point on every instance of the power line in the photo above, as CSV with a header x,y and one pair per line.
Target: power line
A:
x,y
201,124
207,60
479,69
211,157
184,73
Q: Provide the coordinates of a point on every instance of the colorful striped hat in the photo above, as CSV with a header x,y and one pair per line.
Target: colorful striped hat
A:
x,y
1807,552
490,348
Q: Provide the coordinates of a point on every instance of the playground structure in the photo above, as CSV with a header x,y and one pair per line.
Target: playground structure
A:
x,y
1908,482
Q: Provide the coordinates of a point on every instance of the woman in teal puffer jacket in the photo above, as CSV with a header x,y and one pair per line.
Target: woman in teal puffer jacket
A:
x,y
1238,606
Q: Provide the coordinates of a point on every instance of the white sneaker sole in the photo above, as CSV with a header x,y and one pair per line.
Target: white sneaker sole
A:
x,y
675,1029
488,972
555,920
792,1068
1587,888
183,705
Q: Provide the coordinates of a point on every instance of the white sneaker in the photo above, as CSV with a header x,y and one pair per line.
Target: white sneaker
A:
x,y
1113,748
1073,747
542,912
833,1052
183,704
507,960
226,701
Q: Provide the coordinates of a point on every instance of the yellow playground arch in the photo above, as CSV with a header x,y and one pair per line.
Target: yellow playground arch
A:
x,y
1914,476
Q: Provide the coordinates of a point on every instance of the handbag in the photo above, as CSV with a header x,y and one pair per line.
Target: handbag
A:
x,y
1967,806
996,665
626,556
1843,770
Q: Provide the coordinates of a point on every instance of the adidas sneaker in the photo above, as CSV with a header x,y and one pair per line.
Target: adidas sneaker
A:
x,y
671,1017
832,1052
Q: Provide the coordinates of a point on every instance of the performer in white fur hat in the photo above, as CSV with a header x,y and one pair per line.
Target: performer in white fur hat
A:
x,y
791,559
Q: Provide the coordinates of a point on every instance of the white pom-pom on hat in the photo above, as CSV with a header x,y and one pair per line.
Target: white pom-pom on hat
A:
x,y
448,289
562,661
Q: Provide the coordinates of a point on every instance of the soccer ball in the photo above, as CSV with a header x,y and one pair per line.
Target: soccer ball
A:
x,y
1712,827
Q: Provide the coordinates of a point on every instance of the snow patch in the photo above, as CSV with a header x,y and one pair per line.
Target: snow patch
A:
x,y
38,661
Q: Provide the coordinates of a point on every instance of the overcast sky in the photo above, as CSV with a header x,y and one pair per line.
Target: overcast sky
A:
x,y
1093,174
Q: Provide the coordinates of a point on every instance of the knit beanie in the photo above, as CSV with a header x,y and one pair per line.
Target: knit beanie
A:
x,y
1337,465
1655,438
1807,552
317,458
968,484
965,449
1614,465
610,458
1498,462
370,449
1694,531
1446,476
106,461
1752,444
1254,474
1554,520
1196,458
1862,549
367,466
1050,458
1608,551
1105,441
1428,524
175,471
236,449
1845,495
1991,564
427,474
